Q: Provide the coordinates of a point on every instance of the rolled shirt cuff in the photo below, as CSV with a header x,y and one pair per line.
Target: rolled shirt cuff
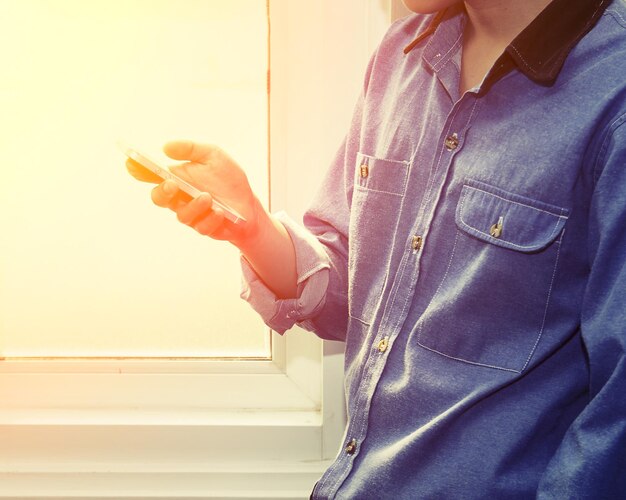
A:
x,y
312,267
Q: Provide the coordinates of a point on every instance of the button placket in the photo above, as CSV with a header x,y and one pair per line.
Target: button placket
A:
x,y
459,118
403,280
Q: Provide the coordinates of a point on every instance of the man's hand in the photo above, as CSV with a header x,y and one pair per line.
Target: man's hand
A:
x,y
211,170
262,239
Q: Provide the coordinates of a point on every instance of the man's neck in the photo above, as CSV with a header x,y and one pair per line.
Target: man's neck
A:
x,y
500,21
491,26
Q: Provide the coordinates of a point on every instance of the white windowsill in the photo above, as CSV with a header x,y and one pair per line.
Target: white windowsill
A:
x,y
240,481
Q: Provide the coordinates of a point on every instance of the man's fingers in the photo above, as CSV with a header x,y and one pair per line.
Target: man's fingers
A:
x,y
166,194
195,210
210,224
199,214
186,150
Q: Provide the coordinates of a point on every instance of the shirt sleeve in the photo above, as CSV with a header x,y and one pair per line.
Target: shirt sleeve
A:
x,y
312,271
591,460
321,250
321,247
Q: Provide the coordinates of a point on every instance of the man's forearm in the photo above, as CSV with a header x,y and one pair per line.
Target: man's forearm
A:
x,y
272,255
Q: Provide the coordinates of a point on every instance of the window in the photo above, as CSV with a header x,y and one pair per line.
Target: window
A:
x,y
89,267
162,428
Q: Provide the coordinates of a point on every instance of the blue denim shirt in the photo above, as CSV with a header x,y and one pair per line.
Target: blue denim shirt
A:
x,y
471,251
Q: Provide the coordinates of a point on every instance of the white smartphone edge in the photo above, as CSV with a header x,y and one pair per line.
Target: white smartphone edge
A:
x,y
230,213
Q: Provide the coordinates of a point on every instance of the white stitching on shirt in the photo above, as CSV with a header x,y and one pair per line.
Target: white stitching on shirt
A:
x,y
368,377
434,166
516,202
370,190
493,240
310,272
468,361
445,275
545,312
541,330
613,14
437,66
530,68
421,325
610,131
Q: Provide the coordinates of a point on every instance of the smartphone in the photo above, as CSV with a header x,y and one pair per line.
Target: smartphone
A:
x,y
163,173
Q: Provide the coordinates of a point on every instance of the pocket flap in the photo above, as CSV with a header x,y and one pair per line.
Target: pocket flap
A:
x,y
381,175
506,219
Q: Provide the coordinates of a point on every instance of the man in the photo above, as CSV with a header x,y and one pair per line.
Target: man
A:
x,y
468,246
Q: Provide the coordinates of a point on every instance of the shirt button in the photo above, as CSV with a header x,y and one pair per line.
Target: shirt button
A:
x,y
452,141
365,171
496,229
351,447
416,243
382,345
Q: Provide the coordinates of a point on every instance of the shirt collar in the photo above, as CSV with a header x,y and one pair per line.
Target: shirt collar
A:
x,y
540,50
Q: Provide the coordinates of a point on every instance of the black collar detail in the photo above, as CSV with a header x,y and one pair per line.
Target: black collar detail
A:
x,y
541,49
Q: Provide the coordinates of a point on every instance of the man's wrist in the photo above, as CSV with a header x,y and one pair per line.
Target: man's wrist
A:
x,y
259,230
271,253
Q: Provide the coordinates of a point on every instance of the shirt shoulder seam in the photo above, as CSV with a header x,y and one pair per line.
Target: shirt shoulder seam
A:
x,y
608,133
619,19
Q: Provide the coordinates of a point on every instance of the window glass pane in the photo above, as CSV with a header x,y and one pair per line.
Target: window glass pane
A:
x,y
88,266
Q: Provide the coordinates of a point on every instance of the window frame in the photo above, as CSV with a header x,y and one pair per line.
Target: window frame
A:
x,y
160,429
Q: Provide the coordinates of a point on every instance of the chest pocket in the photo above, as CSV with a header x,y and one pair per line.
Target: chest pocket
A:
x,y
379,189
491,306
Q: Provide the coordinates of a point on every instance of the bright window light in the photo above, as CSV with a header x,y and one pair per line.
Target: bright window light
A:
x,y
88,266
